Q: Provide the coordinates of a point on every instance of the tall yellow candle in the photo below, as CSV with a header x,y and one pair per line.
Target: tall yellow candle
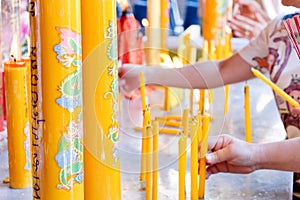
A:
x,y
36,103
210,17
164,23
185,121
248,130
181,166
167,99
60,56
203,151
201,101
153,32
100,98
276,89
146,122
18,134
194,160
143,92
155,160
149,163
226,104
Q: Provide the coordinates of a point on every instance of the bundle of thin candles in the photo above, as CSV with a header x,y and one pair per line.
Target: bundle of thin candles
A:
x,y
292,26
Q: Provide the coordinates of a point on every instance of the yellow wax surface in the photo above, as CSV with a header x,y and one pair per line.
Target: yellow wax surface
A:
x,y
278,90
248,131
18,130
194,161
181,166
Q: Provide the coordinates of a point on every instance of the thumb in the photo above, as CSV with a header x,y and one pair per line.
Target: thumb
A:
x,y
218,156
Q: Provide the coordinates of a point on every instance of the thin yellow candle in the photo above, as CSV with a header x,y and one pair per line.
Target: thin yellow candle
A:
x,y
201,100
247,114
219,49
191,101
169,117
181,166
278,90
149,163
203,151
167,99
36,104
100,100
194,161
18,134
162,130
60,38
210,96
185,122
211,50
142,89
226,103
146,122
227,45
155,160
170,123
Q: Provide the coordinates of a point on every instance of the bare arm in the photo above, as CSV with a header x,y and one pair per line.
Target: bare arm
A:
x,y
209,74
232,155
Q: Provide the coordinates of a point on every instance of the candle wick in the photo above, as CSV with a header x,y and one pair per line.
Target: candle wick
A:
x,y
13,58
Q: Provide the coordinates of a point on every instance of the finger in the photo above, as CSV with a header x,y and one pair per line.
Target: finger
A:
x,y
219,156
212,140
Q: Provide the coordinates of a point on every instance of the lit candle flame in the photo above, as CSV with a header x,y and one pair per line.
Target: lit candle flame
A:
x,y
15,50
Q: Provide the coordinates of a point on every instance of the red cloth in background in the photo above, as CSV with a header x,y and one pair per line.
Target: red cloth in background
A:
x,y
130,40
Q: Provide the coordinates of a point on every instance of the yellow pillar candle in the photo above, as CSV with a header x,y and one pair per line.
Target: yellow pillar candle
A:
x,y
247,114
181,167
100,98
203,151
149,163
194,160
61,65
276,89
28,83
226,104
164,23
155,160
153,32
18,134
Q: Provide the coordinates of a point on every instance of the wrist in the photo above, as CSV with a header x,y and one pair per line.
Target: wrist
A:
x,y
258,156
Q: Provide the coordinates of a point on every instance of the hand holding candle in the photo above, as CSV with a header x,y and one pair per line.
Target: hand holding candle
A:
x,y
278,90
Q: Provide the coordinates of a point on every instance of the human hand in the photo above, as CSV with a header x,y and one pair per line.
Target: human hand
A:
x,y
230,155
248,20
129,79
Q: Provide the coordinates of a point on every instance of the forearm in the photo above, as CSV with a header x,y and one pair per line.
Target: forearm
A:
x,y
209,74
282,155
200,75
